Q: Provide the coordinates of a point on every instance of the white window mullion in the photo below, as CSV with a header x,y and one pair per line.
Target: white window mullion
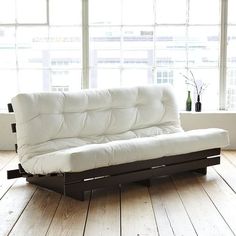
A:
x,y
48,18
85,43
187,34
223,54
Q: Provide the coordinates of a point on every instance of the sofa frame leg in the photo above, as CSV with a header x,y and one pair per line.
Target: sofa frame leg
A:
x,y
202,171
75,194
72,191
81,196
145,182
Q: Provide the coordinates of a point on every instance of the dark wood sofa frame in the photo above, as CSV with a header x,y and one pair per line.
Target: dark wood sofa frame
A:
x,y
75,184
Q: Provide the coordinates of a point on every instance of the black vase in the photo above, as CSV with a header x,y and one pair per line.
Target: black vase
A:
x,y
198,105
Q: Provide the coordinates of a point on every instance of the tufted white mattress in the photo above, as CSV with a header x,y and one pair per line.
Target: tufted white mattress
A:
x,y
72,132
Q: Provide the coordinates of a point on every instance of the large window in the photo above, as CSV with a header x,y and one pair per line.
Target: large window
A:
x,y
147,41
40,46
52,45
231,57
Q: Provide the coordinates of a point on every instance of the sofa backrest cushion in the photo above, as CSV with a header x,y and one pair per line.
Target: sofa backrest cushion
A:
x,y
41,117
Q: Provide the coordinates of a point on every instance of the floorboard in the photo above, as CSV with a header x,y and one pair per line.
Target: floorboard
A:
x,y
185,204
221,195
227,171
137,216
104,213
13,204
6,157
38,214
230,156
70,218
200,207
169,209
6,184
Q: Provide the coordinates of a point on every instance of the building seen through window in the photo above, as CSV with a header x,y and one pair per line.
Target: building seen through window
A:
x,y
45,54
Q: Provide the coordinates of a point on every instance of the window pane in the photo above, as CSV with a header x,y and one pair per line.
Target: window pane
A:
x,y
49,80
65,80
171,11
104,78
231,12
171,46
65,59
32,47
138,12
31,11
65,47
138,38
138,47
33,80
65,12
8,87
105,12
134,77
173,76
231,89
137,58
231,53
231,70
65,37
7,12
7,48
204,12
203,46
105,44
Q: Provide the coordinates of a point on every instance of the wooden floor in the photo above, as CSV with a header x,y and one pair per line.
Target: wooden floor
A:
x,y
186,204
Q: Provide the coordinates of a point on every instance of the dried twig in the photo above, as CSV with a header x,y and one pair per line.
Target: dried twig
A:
x,y
192,81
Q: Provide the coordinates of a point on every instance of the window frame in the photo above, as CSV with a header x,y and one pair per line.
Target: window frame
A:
x,y
223,54
16,24
85,83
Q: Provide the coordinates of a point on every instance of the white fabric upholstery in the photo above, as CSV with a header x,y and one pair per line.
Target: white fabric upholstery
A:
x,y
122,151
71,132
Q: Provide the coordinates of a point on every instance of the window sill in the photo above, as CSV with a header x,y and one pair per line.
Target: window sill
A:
x,y
207,112
2,112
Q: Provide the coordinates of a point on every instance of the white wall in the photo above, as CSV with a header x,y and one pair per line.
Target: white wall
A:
x,y
7,138
224,120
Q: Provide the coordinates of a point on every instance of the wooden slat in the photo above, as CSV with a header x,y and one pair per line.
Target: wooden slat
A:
x,y
222,196
104,213
144,174
13,203
140,165
10,107
13,127
202,212
70,217
38,214
13,174
227,171
16,148
171,217
137,216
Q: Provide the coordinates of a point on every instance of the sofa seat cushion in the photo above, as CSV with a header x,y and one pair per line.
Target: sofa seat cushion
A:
x,y
90,156
28,151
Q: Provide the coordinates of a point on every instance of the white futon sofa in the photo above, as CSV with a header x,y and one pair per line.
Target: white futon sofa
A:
x,y
67,140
